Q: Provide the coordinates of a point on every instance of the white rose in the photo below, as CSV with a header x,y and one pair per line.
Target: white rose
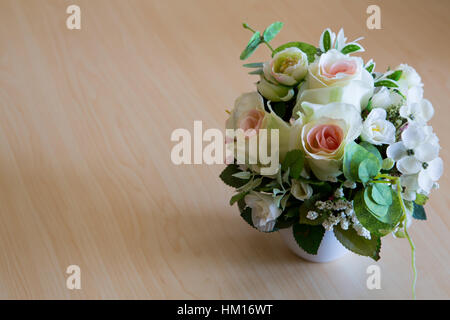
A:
x,y
326,131
287,67
376,129
336,77
264,210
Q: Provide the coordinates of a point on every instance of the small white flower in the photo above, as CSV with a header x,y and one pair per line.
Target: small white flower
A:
x,y
344,224
420,112
386,98
339,193
264,210
349,184
419,145
376,129
361,231
417,159
312,215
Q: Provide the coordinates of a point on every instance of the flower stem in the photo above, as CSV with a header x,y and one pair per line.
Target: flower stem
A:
x,y
246,26
411,244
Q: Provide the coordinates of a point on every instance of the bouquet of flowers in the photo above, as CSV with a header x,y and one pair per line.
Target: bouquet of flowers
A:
x,y
352,149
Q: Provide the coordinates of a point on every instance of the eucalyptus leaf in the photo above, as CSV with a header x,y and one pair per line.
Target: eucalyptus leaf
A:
x,y
381,194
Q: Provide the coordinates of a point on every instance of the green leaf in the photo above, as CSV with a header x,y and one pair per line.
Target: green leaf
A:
x,y
421,199
254,42
354,156
309,205
395,75
257,72
419,212
357,244
368,168
252,184
242,175
294,161
352,47
381,194
272,30
372,149
237,197
309,49
386,83
370,67
228,179
326,40
377,225
246,214
254,65
378,210
308,237
387,164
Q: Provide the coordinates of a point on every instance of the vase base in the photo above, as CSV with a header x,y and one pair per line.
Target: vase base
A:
x,y
330,248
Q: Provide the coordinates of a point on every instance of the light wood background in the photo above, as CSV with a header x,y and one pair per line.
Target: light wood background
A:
x,y
85,171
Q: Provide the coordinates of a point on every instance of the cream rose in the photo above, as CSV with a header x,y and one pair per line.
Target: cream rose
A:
x,y
287,67
336,77
250,116
326,131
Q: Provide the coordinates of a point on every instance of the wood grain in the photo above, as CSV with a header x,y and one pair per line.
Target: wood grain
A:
x,y
85,172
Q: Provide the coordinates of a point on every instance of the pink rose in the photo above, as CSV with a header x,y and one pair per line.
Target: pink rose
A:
x,y
252,121
325,138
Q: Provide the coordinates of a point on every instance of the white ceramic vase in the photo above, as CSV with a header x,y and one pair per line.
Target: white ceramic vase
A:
x,y
330,248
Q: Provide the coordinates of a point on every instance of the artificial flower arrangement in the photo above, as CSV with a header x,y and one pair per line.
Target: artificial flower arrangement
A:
x,y
356,155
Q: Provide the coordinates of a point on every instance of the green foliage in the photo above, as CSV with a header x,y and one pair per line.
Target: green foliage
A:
x,y
386,83
381,194
387,164
294,163
419,212
288,219
309,49
309,205
308,237
421,199
357,244
370,67
228,178
272,30
326,40
352,47
246,212
254,65
378,219
253,43
359,163
395,75
245,175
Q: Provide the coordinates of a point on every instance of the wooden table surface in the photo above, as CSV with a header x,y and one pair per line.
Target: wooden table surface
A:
x,y
85,172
